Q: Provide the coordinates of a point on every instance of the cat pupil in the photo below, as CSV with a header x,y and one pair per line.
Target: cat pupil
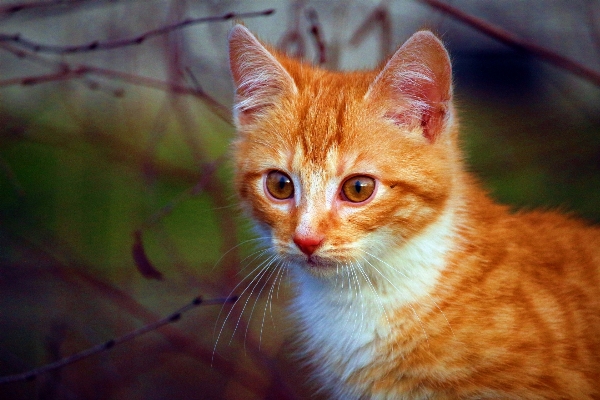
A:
x,y
357,186
282,182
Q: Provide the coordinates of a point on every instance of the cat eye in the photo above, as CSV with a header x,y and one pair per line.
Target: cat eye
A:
x,y
358,188
279,185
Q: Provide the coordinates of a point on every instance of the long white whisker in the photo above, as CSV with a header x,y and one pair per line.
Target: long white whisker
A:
x,y
352,303
359,293
280,269
266,281
428,295
254,282
375,293
379,302
287,271
258,254
260,266
395,287
235,247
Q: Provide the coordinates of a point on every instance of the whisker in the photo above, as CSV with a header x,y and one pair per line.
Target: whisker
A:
x,y
287,271
260,252
359,293
427,294
257,254
352,303
379,302
281,267
254,282
395,287
260,266
377,297
235,247
257,298
269,303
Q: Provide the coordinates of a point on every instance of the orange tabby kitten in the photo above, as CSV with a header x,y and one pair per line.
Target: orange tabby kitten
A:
x,y
410,282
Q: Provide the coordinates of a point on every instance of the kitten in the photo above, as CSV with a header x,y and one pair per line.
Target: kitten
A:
x,y
410,282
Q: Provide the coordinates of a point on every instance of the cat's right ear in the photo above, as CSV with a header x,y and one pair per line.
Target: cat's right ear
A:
x,y
415,86
258,77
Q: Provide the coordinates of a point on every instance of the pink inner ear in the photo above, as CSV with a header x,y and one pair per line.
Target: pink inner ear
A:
x,y
415,86
258,76
424,108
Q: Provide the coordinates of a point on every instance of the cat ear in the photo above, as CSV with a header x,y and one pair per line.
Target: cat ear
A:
x,y
258,77
415,86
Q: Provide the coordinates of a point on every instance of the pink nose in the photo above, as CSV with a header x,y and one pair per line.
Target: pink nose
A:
x,y
308,244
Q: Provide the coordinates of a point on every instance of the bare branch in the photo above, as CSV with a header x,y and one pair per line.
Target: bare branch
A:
x,y
67,72
317,34
219,109
517,43
208,171
593,14
379,18
292,40
109,45
16,7
31,375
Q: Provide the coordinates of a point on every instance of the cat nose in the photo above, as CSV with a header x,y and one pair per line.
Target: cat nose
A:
x,y
308,244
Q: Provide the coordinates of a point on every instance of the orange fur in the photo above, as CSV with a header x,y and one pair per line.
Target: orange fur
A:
x,y
455,296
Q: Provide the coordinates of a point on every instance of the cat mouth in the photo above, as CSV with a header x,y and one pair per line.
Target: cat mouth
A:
x,y
318,262
315,263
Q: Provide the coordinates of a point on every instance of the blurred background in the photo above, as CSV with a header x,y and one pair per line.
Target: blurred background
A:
x,y
115,184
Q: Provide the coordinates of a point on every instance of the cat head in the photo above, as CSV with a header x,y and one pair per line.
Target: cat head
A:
x,y
333,166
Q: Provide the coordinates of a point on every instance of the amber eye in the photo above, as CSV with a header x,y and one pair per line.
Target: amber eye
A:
x,y
279,185
358,188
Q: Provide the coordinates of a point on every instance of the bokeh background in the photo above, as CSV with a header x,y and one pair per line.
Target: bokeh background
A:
x,y
115,185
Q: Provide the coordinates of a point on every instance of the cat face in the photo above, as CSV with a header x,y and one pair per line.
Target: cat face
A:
x,y
333,166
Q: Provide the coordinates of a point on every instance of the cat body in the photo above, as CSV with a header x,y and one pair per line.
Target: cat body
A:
x,y
409,281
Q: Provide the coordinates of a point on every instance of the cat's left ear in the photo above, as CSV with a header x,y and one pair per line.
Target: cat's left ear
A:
x,y
414,89
258,77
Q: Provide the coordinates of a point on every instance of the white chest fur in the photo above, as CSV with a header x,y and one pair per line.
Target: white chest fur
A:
x,y
343,319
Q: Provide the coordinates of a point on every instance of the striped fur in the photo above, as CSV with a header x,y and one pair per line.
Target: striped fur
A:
x,y
428,290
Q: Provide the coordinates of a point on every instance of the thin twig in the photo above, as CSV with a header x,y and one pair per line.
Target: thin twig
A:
x,y
292,41
208,171
195,82
30,375
593,15
379,18
113,44
16,7
81,70
516,42
316,33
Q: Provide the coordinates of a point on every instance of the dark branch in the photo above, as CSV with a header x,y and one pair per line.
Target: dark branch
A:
x,y
109,45
16,7
67,72
518,43
379,18
32,374
316,33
